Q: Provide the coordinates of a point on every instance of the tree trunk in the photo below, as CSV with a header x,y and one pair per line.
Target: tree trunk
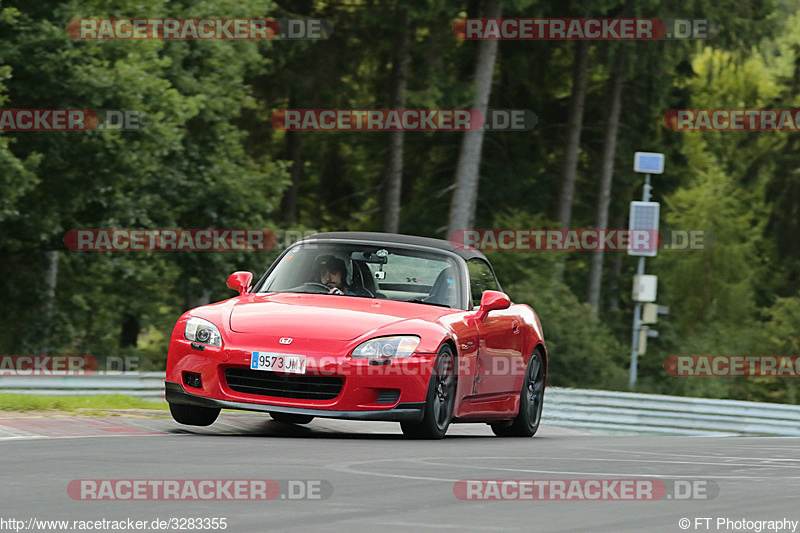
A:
x,y
616,272
465,195
574,125
393,174
50,282
129,336
607,172
288,208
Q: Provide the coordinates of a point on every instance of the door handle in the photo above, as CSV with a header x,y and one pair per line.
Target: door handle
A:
x,y
515,327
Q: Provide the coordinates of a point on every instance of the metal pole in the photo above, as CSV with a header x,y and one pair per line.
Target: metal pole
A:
x,y
637,309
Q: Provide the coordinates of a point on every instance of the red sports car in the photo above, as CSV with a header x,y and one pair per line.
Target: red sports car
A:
x,y
364,326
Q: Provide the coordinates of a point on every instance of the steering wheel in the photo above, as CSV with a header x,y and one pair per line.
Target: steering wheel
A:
x,y
328,290
316,285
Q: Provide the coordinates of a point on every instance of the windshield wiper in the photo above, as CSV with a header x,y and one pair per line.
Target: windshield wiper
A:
x,y
420,301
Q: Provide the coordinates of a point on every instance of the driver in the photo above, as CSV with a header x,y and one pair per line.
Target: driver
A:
x,y
332,273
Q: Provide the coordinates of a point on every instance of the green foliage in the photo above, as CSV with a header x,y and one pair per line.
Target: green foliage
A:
x,y
187,168
724,300
581,349
209,157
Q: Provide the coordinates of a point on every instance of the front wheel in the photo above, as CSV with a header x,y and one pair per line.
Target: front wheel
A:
x,y
530,402
440,400
191,415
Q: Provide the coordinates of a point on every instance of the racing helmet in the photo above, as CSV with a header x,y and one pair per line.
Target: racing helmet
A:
x,y
331,263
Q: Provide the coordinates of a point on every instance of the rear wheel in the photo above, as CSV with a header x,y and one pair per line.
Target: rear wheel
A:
x,y
289,418
530,402
192,415
440,400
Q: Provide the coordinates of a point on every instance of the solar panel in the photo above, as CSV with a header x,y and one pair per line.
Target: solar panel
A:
x,y
643,216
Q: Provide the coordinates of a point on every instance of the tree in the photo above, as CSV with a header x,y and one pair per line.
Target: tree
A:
x,y
465,193
607,171
393,175
569,168
185,168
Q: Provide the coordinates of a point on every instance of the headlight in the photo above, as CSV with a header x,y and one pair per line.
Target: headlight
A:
x,y
396,347
203,331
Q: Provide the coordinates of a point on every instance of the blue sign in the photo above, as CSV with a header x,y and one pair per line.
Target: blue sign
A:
x,y
648,162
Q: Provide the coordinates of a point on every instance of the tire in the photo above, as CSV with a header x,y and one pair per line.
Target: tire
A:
x,y
191,415
288,418
530,402
439,402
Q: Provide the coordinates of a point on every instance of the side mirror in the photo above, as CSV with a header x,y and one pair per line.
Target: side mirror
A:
x,y
240,281
492,301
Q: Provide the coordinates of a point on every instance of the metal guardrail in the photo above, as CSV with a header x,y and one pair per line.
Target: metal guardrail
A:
x,y
592,410
633,413
149,385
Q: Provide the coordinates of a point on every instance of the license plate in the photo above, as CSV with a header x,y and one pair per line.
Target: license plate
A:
x,y
278,362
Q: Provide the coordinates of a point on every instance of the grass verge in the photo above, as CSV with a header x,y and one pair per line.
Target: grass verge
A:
x,y
95,403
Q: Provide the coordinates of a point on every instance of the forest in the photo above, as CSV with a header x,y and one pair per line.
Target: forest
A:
x,y
210,157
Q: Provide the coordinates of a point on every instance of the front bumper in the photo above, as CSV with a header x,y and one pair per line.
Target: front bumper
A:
x,y
402,412
364,387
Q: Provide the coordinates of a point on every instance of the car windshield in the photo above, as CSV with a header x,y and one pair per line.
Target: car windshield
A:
x,y
368,271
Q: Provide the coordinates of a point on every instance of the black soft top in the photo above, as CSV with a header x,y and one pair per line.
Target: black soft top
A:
x,y
395,238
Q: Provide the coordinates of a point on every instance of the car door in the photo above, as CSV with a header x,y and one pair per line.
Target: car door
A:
x,y
499,338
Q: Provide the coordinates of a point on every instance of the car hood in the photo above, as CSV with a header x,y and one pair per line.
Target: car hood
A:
x,y
321,316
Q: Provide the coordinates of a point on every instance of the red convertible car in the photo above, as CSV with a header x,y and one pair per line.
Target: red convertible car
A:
x,y
364,326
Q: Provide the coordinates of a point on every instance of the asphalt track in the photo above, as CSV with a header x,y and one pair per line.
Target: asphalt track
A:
x,y
383,482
